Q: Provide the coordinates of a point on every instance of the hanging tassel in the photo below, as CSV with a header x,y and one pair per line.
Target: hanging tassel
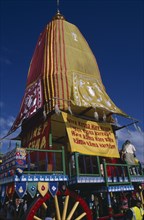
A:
x,y
104,117
44,114
116,121
96,116
70,111
128,131
57,110
137,128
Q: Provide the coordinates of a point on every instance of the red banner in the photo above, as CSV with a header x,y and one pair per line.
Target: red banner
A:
x,y
32,101
10,190
37,137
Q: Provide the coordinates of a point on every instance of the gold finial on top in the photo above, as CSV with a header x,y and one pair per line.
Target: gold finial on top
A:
x,y
58,14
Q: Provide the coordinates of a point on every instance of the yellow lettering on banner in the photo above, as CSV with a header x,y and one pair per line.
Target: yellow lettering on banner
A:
x,y
74,133
37,143
34,134
43,142
84,125
88,137
37,137
78,141
44,126
92,138
39,130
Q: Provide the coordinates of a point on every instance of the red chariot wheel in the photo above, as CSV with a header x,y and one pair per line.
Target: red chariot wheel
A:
x,y
64,206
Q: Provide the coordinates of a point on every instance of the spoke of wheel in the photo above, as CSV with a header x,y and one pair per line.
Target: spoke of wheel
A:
x,y
57,208
37,218
81,216
65,208
72,211
44,205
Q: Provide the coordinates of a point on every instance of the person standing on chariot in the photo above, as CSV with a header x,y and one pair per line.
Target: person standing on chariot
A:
x,y
128,155
128,152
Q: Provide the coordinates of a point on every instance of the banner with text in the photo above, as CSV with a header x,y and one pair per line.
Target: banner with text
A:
x,y
37,137
92,138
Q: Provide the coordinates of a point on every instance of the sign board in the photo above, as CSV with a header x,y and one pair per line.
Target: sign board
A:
x,y
92,138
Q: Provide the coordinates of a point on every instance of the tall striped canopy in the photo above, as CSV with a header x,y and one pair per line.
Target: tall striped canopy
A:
x,y
64,75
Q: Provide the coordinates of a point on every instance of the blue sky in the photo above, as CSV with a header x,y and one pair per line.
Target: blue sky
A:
x,y
115,33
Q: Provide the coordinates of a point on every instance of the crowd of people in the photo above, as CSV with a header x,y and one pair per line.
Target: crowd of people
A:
x,y
12,209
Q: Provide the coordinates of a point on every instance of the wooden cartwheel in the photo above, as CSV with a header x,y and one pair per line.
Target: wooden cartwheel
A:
x,y
65,205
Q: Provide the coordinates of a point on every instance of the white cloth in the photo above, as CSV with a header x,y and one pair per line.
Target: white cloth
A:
x,y
129,148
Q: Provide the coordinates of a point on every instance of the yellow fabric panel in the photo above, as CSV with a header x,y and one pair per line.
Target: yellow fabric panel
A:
x,y
91,138
90,92
79,55
67,56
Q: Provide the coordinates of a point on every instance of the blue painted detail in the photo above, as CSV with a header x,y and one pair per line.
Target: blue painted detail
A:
x,y
53,188
85,179
137,179
120,188
7,180
41,177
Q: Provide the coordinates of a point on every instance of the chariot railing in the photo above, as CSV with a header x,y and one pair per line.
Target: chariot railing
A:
x,y
45,161
94,166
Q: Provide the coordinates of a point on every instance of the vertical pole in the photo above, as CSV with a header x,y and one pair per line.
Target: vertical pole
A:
x,y
76,162
50,156
54,161
110,210
91,165
37,160
29,160
70,165
105,173
46,159
98,165
84,163
57,5
108,193
128,172
50,135
63,161
141,196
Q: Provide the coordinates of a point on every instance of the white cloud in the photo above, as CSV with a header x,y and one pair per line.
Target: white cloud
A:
x,y
5,125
